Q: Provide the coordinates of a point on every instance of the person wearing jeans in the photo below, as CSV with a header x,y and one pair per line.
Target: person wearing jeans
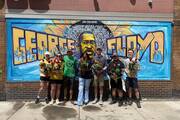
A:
x,y
83,95
85,75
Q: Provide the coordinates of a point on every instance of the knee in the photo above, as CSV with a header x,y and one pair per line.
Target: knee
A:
x,y
53,88
136,90
81,87
42,87
86,88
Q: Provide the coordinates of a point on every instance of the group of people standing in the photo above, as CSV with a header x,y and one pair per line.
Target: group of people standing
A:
x,y
62,70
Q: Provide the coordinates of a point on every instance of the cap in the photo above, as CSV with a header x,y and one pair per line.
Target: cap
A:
x,y
47,53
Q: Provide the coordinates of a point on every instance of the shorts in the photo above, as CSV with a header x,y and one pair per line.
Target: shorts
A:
x,y
116,84
56,82
44,79
132,82
99,81
68,81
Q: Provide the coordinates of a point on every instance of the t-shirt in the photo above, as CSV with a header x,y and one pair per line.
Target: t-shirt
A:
x,y
69,66
132,67
57,71
99,64
85,69
45,67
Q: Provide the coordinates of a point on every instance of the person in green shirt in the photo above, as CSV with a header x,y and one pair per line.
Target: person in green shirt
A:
x,y
70,64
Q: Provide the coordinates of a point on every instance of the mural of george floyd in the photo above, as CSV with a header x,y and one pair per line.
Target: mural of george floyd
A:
x,y
30,39
28,28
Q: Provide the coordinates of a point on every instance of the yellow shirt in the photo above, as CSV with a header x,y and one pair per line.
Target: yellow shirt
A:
x,y
44,68
57,71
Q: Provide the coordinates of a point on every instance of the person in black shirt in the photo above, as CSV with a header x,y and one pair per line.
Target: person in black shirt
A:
x,y
85,76
115,69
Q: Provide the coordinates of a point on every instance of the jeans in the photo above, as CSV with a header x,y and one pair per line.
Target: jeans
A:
x,y
83,95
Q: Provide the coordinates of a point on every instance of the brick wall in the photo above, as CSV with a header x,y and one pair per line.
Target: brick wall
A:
x,y
2,53
22,90
176,51
160,6
28,90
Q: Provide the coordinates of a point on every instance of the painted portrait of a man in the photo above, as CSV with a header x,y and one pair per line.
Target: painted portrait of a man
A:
x,y
87,43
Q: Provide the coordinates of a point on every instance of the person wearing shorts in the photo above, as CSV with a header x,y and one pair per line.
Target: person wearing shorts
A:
x,y
115,69
44,76
132,67
99,67
56,78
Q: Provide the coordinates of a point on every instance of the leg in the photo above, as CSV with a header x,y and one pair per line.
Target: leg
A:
x,y
113,96
87,84
71,88
130,85
66,86
120,95
95,90
80,93
101,86
42,87
130,95
58,87
53,89
137,93
137,98
113,91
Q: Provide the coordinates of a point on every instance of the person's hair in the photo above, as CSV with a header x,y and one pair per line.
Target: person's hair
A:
x,y
88,56
99,49
131,50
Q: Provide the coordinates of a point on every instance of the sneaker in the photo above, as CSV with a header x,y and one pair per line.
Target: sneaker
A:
x,y
51,102
86,103
130,102
112,102
138,104
57,102
120,103
37,100
46,100
75,103
100,102
95,101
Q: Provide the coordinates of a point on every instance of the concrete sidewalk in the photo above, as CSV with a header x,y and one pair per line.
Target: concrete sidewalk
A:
x,y
151,110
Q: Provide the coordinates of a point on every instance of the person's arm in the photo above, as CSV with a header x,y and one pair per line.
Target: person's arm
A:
x,y
105,64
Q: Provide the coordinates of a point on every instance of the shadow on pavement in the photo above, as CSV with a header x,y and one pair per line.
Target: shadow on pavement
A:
x,y
56,112
91,108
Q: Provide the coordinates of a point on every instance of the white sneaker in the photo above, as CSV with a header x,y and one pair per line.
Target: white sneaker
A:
x,y
95,101
57,102
100,102
52,102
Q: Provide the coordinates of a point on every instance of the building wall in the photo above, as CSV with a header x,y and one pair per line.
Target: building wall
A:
x,y
176,51
159,6
2,54
26,90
